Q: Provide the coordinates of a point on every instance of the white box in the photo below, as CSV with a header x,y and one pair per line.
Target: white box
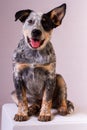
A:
x,y
75,121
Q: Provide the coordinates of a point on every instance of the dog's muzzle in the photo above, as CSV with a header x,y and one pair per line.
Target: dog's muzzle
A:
x,y
35,41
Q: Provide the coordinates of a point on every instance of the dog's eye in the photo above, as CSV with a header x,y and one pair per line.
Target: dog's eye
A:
x,y
31,22
43,19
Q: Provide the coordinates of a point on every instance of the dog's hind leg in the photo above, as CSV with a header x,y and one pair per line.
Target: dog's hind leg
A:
x,y
60,97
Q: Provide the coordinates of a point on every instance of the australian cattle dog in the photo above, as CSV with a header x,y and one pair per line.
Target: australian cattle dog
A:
x,y
37,86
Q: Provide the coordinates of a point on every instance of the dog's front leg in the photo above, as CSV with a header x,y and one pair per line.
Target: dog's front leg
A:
x,y
22,114
45,113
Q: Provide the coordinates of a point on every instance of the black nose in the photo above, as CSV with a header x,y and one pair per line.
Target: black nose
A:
x,y
36,33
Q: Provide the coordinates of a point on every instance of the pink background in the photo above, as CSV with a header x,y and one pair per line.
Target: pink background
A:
x,y
69,40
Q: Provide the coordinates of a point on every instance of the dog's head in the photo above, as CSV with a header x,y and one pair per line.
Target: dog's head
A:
x,y
37,28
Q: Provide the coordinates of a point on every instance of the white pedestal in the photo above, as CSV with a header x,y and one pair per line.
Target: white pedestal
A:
x,y
75,121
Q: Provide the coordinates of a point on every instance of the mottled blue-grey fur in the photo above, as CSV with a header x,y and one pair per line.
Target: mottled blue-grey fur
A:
x,y
37,86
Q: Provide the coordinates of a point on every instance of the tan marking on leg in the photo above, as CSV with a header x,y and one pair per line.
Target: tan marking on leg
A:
x,y
24,103
62,109
22,108
45,113
64,104
22,114
46,106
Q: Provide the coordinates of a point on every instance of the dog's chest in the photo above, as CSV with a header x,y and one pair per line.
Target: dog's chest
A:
x,y
35,81
36,57
24,54
39,64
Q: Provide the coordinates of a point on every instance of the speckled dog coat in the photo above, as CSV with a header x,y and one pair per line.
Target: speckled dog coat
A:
x,y
37,87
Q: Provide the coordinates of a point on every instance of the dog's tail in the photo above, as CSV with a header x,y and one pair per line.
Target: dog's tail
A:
x,y
70,107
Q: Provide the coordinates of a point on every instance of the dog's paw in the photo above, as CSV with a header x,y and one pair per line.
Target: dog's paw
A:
x,y
44,117
18,117
62,111
33,109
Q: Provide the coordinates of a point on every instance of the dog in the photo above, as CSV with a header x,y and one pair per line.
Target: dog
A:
x,y
37,86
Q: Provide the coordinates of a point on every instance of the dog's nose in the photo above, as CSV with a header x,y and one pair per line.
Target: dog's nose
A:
x,y
36,32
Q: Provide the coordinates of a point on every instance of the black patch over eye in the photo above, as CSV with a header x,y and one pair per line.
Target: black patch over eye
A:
x,y
47,23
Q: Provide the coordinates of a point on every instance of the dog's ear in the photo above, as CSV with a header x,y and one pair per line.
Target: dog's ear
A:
x,y
22,15
57,14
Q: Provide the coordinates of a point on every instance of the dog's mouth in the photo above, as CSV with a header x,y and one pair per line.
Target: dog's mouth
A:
x,y
35,43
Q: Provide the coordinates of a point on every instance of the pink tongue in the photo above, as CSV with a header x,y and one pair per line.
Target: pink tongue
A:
x,y
35,44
